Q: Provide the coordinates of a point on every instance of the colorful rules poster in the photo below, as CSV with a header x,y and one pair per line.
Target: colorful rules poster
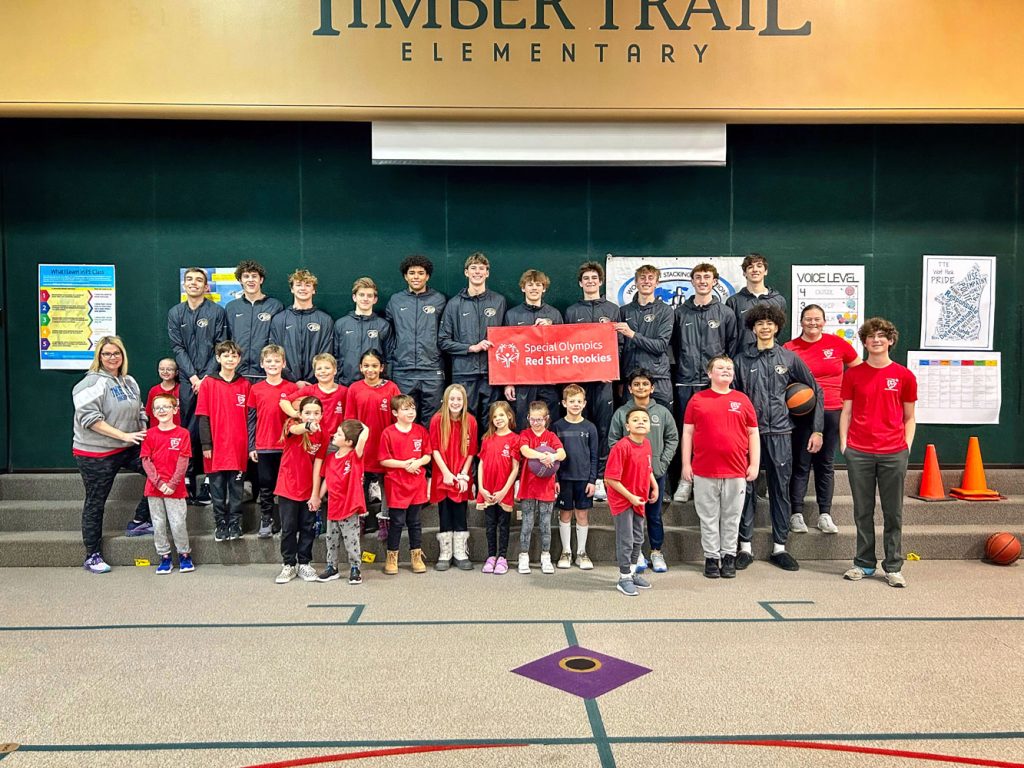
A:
x,y
76,308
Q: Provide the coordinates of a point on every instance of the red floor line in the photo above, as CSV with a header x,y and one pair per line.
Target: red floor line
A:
x,y
874,751
378,753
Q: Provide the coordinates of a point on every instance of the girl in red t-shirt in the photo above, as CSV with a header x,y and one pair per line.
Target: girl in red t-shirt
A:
x,y
496,474
369,401
305,446
453,442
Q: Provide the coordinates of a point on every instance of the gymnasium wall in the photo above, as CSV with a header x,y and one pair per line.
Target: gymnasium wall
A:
x,y
152,196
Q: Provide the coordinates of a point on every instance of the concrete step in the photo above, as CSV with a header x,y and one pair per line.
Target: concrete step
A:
x,y
682,545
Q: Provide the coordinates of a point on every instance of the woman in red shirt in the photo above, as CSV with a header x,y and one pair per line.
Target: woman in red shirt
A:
x,y
827,355
453,433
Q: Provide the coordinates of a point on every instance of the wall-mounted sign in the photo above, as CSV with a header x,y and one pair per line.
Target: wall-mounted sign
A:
x,y
76,308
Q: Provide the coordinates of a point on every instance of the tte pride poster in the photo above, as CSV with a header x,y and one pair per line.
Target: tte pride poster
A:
x,y
553,354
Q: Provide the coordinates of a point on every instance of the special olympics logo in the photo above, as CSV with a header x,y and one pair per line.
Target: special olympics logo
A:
x,y
313,327
506,354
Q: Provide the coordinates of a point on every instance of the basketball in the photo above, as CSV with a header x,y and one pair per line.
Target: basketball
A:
x,y
538,468
1002,548
800,399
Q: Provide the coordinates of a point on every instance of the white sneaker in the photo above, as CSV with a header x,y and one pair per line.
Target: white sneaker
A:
x,y
857,573
825,524
373,491
641,564
584,562
307,572
895,579
797,524
658,564
565,561
545,563
600,494
287,573
683,492
524,562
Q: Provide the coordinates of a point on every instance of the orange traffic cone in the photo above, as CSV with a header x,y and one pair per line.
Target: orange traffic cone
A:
x,y
975,487
931,479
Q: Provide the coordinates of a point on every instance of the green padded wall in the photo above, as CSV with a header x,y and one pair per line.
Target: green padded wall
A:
x,y
151,197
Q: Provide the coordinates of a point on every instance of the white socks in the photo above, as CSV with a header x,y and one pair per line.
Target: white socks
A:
x,y
581,538
565,533
745,546
776,548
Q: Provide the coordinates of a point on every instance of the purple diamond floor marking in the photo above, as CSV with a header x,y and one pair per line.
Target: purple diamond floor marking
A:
x,y
581,671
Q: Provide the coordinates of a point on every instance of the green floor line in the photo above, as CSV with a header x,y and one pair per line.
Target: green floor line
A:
x,y
570,633
768,606
604,749
566,741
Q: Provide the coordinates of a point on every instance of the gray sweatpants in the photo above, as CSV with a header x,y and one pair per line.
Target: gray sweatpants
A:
x,y
541,511
719,503
629,535
169,513
886,471
348,531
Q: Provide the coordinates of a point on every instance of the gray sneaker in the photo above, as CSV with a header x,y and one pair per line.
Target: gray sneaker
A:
x,y
895,579
857,573
640,582
797,524
825,524
683,493
626,586
266,528
307,572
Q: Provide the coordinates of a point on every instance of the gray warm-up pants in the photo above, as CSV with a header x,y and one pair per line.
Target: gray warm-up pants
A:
x,y
885,471
629,536
541,511
719,503
168,513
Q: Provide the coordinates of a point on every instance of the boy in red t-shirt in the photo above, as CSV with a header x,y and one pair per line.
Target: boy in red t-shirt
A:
x,y
224,435
343,486
724,458
265,398
537,494
629,480
404,454
165,454
876,430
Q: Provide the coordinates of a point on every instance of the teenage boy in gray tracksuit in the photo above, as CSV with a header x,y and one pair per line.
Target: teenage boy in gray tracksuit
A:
x,y
359,331
533,311
645,330
463,335
303,330
417,367
195,327
249,317
664,439
755,270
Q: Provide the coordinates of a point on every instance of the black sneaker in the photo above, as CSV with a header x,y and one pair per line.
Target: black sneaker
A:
x,y
221,534
354,576
330,573
711,569
728,566
234,532
785,561
266,527
203,497
743,560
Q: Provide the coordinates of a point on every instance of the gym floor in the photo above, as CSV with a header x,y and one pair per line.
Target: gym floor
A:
x,y
223,667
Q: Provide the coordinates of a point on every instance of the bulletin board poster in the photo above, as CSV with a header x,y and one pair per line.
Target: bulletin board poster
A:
x,y
839,290
222,287
674,286
957,387
958,302
76,309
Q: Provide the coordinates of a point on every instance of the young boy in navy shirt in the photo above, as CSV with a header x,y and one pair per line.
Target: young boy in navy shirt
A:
x,y
577,475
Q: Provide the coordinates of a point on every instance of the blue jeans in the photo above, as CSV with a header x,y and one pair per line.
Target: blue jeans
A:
x,y
652,512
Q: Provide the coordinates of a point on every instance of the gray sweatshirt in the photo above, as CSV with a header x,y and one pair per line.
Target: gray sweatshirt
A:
x,y
115,400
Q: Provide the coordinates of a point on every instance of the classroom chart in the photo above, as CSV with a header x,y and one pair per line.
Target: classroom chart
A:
x,y
957,387
76,308
838,290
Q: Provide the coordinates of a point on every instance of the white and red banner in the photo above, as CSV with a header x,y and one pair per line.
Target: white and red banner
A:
x,y
553,354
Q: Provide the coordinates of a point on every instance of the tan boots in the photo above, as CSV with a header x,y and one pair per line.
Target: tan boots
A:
x,y
415,555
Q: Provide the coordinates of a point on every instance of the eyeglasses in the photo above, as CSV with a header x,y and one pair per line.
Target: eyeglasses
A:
x,y
109,355
160,408
537,419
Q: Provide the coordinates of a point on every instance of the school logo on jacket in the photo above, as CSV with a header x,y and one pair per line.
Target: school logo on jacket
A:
x,y
713,323
891,385
655,419
263,317
202,322
648,318
602,320
371,334
490,312
828,354
313,327
781,370
428,309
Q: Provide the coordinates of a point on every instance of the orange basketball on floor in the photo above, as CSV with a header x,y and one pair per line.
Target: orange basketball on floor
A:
x,y
800,399
1002,548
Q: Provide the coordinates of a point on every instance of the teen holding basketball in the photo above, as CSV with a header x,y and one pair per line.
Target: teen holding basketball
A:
x,y
827,356
763,372
541,448
876,430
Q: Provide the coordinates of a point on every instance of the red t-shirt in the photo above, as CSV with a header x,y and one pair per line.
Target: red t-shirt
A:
x,y
295,478
372,406
454,455
333,404
164,447
497,455
720,427
878,395
159,390
344,486
630,464
531,486
225,404
265,398
403,489
827,358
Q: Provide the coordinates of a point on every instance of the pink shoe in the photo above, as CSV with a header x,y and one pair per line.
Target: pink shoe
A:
x,y
489,565
501,566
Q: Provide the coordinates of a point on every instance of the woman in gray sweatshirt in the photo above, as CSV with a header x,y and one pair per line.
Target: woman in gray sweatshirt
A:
x,y
108,430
